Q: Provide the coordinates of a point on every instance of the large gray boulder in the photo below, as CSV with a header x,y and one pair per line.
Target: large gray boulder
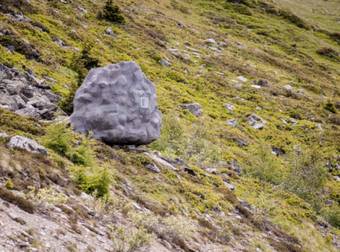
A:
x,y
117,103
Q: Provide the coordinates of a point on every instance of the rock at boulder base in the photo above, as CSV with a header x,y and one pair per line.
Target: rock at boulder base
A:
x,y
117,103
194,108
23,143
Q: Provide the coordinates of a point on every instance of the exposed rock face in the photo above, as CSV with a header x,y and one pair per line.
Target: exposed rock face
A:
x,y
23,143
117,103
25,95
194,108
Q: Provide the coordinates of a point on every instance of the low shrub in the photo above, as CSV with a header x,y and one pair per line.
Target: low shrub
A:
x,y
129,239
112,13
62,140
93,180
332,215
307,175
263,165
329,53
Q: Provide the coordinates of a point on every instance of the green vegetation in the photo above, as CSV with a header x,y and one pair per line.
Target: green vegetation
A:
x,y
111,13
280,42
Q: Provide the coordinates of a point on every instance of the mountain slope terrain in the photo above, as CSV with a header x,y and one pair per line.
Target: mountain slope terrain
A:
x,y
249,154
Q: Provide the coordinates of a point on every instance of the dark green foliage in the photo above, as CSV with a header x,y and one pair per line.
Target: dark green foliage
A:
x,y
16,44
81,64
330,107
332,215
329,53
111,13
19,201
335,36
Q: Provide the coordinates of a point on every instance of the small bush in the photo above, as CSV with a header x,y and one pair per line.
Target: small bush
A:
x,y
171,139
330,107
93,180
307,176
329,53
111,13
62,140
130,239
332,215
264,165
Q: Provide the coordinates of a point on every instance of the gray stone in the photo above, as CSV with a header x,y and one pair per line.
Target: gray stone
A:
x,y
24,94
117,103
261,82
164,62
110,32
3,135
229,107
232,122
23,143
210,41
153,168
194,108
256,122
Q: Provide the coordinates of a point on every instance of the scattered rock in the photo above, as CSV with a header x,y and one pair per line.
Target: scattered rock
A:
x,y
229,107
232,122
23,143
278,151
211,170
242,79
24,94
109,32
231,187
256,122
234,165
261,83
210,41
3,135
164,63
59,42
194,108
256,86
153,167
117,103
160,161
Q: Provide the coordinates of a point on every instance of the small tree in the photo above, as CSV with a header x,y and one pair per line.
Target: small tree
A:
x,y
307,176
111,13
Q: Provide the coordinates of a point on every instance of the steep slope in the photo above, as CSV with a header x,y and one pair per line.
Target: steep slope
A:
x,y
257,171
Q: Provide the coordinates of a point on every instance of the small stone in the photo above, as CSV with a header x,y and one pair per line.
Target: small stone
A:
x,y
3,135
256,86
261,82
229,107
210,41
231,187
234,165
256,122
232,122
164,63
211,170
242,79
109,32
23,143
288,88
278,151
194,108
153,167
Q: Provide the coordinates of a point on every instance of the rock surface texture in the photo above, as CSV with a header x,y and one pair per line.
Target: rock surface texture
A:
x,y
26,95
23,143
117,103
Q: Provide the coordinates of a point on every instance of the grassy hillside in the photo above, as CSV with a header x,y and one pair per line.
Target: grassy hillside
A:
x,y
287,53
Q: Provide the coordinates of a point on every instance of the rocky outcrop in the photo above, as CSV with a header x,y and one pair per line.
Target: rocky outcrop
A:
x,y
24,143
117,103
26,95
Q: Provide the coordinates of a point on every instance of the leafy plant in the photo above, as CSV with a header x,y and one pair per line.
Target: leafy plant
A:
x,y
112,13
93,180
